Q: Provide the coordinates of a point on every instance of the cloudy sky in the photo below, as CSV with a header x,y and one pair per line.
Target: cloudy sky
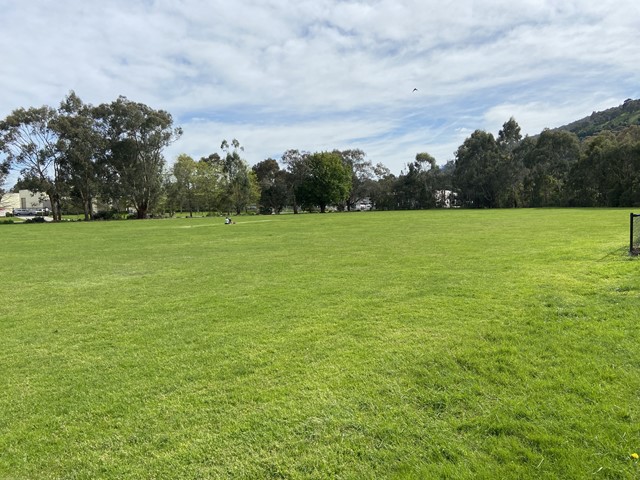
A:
x,y
323,74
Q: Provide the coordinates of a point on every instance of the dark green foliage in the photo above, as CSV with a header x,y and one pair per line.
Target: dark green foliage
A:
x,y
83,149
613,119
548,166
327,181
273,186
28,140
476,175
108,215
136,135
608,172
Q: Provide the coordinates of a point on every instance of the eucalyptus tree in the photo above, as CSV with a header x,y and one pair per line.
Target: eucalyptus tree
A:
x,y
549,164
82,149
4,172
273,186
382,192
476,170
209,184
419,187
327,181
510,170
361,173
238,180
184,186
625,174
296,163
30,143
590,179
136,135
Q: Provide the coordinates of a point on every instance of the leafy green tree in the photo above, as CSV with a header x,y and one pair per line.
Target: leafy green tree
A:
x,y
627,168
509,136
361,174
30,143
591,179
273,186
510,170
240,183
327,182
208,183
4,172
419,187
383,192
548,165
136,135
297,171
476,171
82,148
184,189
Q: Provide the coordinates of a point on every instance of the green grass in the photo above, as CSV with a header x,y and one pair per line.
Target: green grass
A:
x,y
437,344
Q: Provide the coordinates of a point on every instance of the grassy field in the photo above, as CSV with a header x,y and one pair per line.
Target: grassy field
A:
x,y
435,344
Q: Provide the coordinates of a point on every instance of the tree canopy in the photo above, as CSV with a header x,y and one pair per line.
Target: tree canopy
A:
x,y
111,156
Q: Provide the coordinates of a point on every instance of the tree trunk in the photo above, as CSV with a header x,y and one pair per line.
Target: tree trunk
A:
x,y
54,198
141,212
86,203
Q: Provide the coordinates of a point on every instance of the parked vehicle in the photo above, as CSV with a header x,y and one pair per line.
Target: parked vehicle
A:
x,y
30,212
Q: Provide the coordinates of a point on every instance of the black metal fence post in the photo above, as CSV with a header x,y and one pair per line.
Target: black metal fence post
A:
x,y
631,233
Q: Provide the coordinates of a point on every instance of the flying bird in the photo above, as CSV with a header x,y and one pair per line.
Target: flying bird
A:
x,y
415,89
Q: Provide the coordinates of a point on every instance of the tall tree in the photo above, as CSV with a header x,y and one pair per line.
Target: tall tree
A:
x,y
82,149
327,182
4,172
510,169
548,165
184,187
419,187
361,174
593,178
136,135
30,143
383,193
476,170
509,136
628,166
273,186
240,182
297,166
208,183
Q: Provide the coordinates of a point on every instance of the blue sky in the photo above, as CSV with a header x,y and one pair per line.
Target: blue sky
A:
x,y
324,74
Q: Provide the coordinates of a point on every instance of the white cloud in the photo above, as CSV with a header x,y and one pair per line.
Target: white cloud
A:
x,y
324,74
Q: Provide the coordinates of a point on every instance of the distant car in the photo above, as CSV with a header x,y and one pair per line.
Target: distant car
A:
x,y
23,212
30,212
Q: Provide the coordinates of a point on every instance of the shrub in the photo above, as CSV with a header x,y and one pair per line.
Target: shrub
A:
x,y
107,215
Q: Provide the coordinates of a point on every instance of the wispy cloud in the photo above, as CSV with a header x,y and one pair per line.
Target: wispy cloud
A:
x,y
327,74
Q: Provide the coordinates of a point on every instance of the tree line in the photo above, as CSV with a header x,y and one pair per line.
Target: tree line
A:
x,y
112,155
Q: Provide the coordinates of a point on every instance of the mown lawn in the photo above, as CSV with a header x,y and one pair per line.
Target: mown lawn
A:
x,y
435,344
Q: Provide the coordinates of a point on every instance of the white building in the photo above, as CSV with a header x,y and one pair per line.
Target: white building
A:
x,y
23,199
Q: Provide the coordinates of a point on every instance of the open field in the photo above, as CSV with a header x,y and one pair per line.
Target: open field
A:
x,y
434,344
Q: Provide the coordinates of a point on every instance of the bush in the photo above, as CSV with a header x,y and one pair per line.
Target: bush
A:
x,y
35,220
7,222
107,215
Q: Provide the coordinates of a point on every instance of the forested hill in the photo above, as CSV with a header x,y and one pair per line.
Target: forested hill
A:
x,y
613,119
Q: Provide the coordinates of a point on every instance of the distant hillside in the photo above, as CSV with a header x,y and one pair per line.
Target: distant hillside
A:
x,y
614,119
